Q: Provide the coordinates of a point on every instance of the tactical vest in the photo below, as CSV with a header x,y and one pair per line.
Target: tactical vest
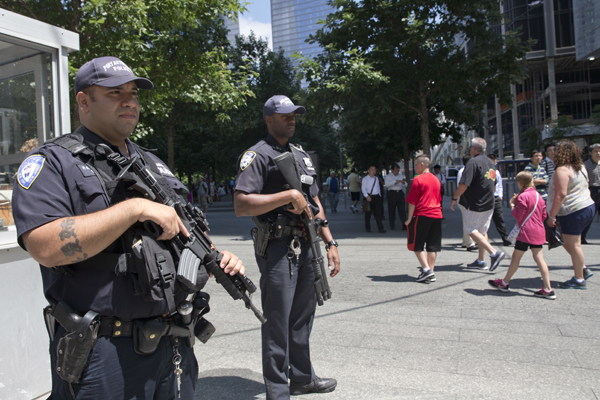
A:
x,y
149,262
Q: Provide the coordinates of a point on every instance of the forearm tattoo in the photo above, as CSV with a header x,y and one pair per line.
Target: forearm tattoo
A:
x,y
71,248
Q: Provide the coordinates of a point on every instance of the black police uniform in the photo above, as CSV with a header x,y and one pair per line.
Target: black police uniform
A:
x,y
287,290
53,184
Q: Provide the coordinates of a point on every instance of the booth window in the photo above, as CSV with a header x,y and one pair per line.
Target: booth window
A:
x,y
26,117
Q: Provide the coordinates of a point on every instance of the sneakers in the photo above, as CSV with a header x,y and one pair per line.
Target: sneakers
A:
x,y
353,209
587,273
573,284
426,276
546,295
497,284
478,265
495,260
473,247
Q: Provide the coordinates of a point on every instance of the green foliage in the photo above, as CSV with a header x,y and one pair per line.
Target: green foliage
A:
x,y
180,45
387,58
532,140
564,128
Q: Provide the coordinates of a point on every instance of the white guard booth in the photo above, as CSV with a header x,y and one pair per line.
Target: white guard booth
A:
x,y
34,107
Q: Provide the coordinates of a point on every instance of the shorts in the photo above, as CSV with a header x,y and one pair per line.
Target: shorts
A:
x,y
524,246
477,221
202,201
423,230
355,196
575,223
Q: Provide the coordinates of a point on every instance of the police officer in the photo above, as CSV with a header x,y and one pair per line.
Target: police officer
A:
x,y
288,294
67,215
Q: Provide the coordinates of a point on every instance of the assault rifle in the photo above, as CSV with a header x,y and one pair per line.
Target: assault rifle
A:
x,y
197,248
287,166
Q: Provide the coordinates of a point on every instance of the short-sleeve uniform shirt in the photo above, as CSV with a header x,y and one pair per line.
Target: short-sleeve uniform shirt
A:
x,y
52,184
258,173
480,176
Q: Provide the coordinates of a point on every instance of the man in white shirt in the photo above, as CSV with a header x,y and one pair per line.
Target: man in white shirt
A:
x,y
372,193
396,184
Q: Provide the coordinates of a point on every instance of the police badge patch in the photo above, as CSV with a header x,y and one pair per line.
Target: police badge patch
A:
x,y
30,169
308,163
247,159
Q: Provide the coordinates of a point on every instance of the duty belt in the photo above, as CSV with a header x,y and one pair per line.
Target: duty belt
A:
x,y
115,327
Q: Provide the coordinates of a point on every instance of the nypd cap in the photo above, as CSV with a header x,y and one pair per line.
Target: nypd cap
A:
x,y
107,72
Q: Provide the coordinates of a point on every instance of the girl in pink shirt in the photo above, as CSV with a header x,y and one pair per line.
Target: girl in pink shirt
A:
x,y
533,234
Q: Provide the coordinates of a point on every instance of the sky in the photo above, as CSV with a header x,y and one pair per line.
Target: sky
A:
x,y
257,19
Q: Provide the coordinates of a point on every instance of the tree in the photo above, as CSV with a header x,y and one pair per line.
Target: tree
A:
x,y
179,44
405,54
532,140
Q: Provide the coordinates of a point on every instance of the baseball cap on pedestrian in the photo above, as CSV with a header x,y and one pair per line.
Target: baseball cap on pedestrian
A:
x,y
107,72
279,104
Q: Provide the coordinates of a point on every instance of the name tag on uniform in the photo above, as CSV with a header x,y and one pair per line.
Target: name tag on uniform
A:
x,y
164,171
308,163
30,169
86,170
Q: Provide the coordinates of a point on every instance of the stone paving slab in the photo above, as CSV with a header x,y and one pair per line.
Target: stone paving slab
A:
x,y
385,336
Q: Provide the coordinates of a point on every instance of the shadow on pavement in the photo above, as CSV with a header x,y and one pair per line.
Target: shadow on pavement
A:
x,y
228,386
491,292
392,278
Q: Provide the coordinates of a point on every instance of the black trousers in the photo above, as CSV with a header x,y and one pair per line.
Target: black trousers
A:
x,y
289,302
377,211
595,192
116,371
498,218
396,202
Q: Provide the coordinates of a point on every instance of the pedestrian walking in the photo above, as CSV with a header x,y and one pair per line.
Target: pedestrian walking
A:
x,y
371,191
396,186
354,189
498,215
529,210
425,218
592,166
540,177
476,191
467,241
548,161
570,203
333,191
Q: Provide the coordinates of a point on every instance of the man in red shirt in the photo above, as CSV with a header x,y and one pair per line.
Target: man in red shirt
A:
x,y
425,218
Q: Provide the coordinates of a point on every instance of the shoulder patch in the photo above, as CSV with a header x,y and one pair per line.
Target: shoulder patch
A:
x,y
30,169
247,159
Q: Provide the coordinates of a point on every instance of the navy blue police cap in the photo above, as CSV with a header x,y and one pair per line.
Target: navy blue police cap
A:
x,y
279,104
107,72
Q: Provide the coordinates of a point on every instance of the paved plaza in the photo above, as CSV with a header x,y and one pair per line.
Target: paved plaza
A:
x,y
384,336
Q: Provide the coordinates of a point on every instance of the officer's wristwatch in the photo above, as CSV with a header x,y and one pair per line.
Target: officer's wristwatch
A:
x,y
332,243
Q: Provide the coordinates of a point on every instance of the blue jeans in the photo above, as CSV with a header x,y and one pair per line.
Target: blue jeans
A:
x,y
333,199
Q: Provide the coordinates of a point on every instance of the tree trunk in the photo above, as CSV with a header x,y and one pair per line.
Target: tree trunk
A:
x,y
424,116
406,156
171,145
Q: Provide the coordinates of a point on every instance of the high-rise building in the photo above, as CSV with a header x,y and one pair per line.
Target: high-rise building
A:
x,y
293,21
234,29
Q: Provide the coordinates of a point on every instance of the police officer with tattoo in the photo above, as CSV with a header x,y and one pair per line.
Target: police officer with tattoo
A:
x,y
283,252
119,322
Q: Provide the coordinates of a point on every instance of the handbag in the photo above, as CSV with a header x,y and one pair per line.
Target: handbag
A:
x,y
514,234
554,236
366,203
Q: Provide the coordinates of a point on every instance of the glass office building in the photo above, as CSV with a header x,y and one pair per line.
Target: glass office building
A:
x,y
293,21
